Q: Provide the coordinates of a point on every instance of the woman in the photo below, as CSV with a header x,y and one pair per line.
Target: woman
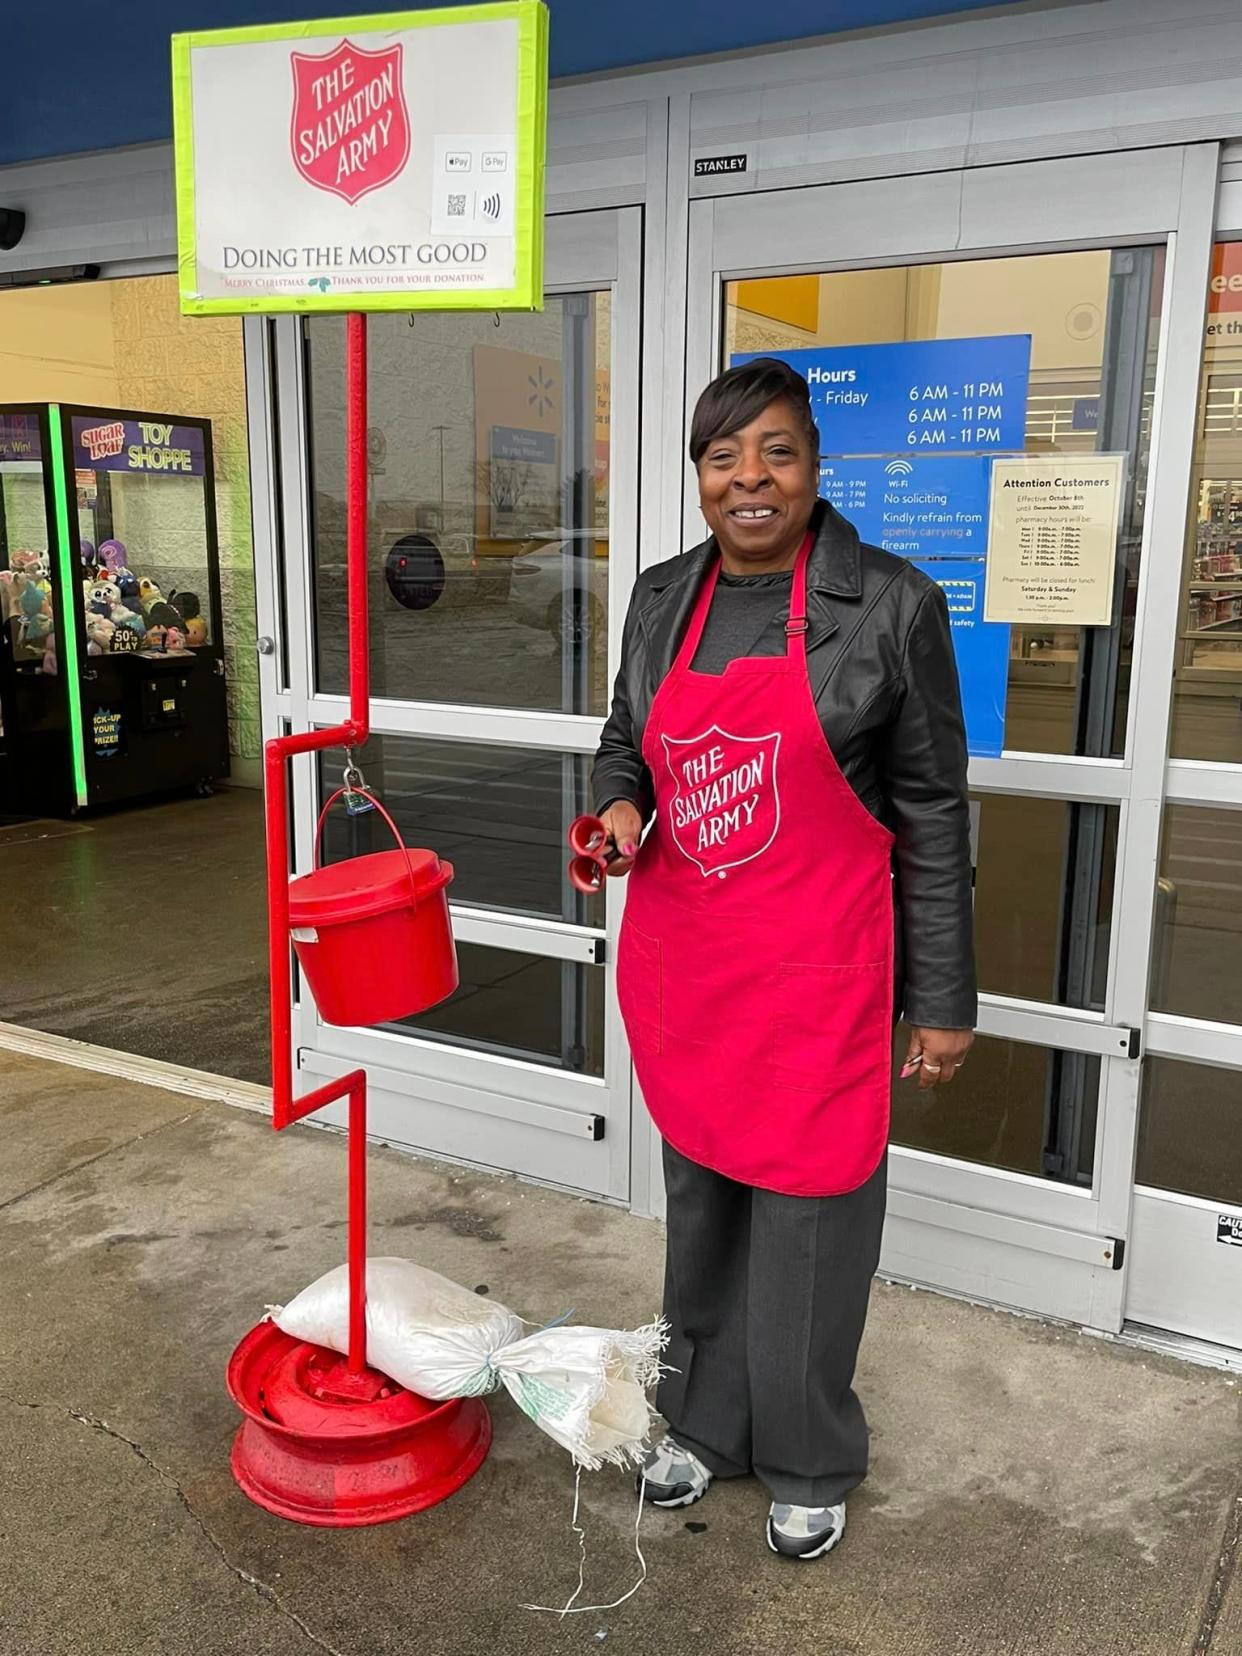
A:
x,y
787,711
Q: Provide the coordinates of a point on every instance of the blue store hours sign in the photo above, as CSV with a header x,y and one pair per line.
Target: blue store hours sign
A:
x,y
980,647
947,396
907,435
924,506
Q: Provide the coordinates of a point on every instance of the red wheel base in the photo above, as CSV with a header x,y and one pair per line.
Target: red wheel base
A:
x,y
320,1445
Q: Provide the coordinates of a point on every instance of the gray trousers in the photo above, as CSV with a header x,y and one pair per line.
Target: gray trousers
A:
x,y
766,1297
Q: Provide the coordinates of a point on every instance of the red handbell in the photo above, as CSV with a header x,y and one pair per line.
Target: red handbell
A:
x,y
588,840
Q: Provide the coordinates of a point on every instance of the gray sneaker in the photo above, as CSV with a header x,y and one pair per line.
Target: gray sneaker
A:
x,y
805,1532
673,1477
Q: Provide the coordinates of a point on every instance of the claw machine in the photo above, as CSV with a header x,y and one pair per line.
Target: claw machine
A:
x,y
112,682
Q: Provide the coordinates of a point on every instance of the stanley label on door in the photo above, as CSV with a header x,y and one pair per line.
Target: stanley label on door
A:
x,y
1229,1229
707,166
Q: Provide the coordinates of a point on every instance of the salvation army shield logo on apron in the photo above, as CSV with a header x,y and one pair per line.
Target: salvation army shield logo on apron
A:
x,y
725,807
350,132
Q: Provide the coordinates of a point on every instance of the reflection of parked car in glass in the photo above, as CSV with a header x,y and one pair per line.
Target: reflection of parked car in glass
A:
x,y
562,588
427,567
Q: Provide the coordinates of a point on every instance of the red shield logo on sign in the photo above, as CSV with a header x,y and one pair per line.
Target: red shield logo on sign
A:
x,y
726,805
350,132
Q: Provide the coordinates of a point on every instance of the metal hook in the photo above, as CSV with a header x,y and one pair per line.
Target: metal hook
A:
x,y
352,777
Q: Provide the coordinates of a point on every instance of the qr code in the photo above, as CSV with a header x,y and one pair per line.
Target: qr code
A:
x,y
457,206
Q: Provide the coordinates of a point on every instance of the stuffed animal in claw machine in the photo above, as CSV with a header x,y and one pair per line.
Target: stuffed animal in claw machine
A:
x,y
174,640
128,620
49,656
164,615
104,598
113,556
128,583
149,593
99,631
36,614
193,623
34,566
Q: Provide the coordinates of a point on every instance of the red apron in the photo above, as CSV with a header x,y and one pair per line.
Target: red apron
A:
x,y
755,965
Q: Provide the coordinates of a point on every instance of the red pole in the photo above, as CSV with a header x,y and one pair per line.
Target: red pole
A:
x,y
360,714
357,1235
356,524
287,1109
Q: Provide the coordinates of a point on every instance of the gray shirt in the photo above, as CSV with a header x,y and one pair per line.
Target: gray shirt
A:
x,y
747,618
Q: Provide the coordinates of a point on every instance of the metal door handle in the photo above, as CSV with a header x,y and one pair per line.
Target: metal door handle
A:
x,y
265,646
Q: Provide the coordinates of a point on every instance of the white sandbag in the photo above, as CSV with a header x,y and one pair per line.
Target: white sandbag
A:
x,y
585,1387
429,1334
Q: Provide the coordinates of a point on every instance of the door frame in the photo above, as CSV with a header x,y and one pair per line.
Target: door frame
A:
x,y
971,1229
1180,1276
430,1095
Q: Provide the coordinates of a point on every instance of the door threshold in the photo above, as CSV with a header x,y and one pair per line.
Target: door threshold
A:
x,y
1186,1347
126,1066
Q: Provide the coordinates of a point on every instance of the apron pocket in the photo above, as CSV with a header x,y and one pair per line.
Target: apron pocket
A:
x,y
640,987
831,1031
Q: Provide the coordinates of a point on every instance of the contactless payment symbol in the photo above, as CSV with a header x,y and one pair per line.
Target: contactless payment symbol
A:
x,y
350,131
726,807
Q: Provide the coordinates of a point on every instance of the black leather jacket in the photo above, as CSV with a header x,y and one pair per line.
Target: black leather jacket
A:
x,y
885,684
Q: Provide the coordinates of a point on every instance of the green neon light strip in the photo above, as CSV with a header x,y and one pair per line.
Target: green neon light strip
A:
x,y
67,646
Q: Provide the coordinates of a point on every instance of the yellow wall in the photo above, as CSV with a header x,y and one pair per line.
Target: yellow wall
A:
x,y
1060,300
125,344
56,344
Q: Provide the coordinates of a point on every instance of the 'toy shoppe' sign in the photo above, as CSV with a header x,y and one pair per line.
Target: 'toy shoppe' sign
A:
x,y
137,446
374,163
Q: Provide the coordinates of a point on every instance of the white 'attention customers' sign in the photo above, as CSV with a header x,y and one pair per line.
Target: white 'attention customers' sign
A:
x,y
1052,539
395,166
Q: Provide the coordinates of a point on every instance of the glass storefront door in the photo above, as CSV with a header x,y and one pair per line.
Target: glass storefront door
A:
x,y
953,329
1187,1258
500,563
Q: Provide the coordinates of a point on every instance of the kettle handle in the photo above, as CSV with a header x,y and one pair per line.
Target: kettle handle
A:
x,y
396,833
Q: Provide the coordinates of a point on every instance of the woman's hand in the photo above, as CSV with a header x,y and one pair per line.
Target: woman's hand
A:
x,y
937,1053
625,829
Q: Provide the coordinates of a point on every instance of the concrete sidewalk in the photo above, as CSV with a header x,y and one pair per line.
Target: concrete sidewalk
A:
x,y
1033,1491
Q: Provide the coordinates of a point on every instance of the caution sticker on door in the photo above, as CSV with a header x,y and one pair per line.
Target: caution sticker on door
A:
x,y
1229,1229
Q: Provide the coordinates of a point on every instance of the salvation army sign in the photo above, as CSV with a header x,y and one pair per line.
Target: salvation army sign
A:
x,y
726,808
351,127
374,163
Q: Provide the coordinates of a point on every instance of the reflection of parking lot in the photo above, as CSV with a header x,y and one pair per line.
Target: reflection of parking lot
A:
x,y
481,651
498,814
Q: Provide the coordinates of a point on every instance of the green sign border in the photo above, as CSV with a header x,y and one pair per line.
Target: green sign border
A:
x,y
526,293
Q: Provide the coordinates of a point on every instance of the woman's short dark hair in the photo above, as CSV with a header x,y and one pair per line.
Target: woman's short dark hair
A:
x,y
741,394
